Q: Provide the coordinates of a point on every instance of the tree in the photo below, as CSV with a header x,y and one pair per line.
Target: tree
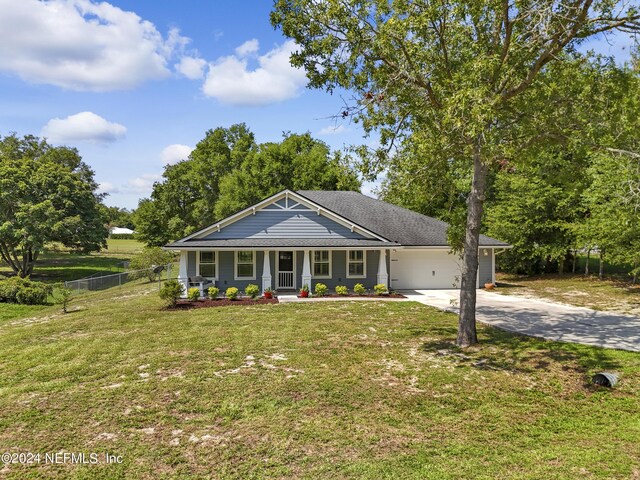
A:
x,y
462,73
142,264
47,194
117,217
298,163
229,171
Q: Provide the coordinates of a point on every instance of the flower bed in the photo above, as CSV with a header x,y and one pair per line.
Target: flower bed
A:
x,y
353,295
222,302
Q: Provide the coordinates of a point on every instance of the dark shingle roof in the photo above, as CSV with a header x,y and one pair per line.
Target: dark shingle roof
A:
x,y
279,242
394,223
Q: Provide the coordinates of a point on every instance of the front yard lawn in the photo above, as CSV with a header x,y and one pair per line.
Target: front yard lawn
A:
x,y
312,390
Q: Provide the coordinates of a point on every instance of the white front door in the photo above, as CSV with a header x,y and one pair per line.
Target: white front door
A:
x,y
286,270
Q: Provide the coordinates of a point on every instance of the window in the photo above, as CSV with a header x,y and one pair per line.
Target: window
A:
x,y
321,264
245,265
355,263
207,264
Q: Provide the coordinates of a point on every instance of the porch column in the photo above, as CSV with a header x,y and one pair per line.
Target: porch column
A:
x,y
383,277
266,272
306,270
183,277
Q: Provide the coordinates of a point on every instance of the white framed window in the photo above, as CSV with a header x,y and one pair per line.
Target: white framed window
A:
x,y
356,264
245,268
321,264
206,265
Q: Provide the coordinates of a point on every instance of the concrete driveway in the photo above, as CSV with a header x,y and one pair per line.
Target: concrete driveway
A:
x,y
539,318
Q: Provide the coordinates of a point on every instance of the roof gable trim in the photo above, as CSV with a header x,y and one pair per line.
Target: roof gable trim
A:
x,y
293,202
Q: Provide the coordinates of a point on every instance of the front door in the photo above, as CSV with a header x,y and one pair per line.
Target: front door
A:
x,y
286,275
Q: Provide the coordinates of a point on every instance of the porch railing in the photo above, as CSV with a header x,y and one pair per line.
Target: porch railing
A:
x,y
285,279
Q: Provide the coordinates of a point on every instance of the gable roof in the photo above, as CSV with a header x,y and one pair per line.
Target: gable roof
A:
x,y
386,224
394,223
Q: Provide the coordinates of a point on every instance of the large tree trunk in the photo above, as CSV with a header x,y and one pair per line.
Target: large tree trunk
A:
x,y
467,320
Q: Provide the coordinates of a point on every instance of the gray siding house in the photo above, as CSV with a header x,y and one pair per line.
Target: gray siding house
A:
x,y
301,238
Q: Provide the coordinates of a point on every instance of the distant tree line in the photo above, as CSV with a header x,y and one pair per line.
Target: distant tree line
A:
x,y
229,171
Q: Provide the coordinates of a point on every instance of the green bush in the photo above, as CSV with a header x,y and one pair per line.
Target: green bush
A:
x,y
231,293
342,290
24,291
359,289
149,257
63,296
252,290
380,289
321,289
213,292
171,292
193,294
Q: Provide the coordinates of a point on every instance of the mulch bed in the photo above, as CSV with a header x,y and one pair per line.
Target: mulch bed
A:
x,y
372,295
221,302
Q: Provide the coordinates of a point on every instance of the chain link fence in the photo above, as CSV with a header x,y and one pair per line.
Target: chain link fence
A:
x,y
102,282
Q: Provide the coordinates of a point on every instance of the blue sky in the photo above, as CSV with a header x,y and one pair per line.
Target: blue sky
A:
x,y
135,84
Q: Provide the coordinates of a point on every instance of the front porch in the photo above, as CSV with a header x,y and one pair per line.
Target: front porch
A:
x,y
283,270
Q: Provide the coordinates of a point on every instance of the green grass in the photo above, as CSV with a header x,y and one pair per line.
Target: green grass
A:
x,y
10,311
340,390
123,246
63,266
609,294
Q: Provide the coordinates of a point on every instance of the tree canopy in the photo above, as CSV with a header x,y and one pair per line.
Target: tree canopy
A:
x,y
229,171
464,75
47,194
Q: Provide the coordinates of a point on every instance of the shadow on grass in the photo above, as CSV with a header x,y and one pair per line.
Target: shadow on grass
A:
x,y
503,351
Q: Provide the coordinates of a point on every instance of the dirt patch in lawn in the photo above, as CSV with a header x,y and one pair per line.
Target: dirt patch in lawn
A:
x,y
221,302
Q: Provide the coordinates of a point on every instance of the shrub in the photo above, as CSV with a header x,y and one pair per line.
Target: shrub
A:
x,y
171,292
35,294
231,293
305,288
380,289
63,297
252,290
213,292
359,289
149,257
193,294
321,289
24,291
342,290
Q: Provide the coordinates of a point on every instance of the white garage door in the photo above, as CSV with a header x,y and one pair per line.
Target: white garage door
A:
x,y
420,269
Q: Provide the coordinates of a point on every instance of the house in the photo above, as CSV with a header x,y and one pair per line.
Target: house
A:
x,y
121,231
335,237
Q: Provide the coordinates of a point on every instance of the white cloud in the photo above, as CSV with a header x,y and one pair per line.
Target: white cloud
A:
x,y
191,67
81,45
332,130
83,127
141,185
231,81
107,187
175,153
248,47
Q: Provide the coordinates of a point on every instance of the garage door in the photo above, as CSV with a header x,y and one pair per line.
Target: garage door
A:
x,y
420,269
